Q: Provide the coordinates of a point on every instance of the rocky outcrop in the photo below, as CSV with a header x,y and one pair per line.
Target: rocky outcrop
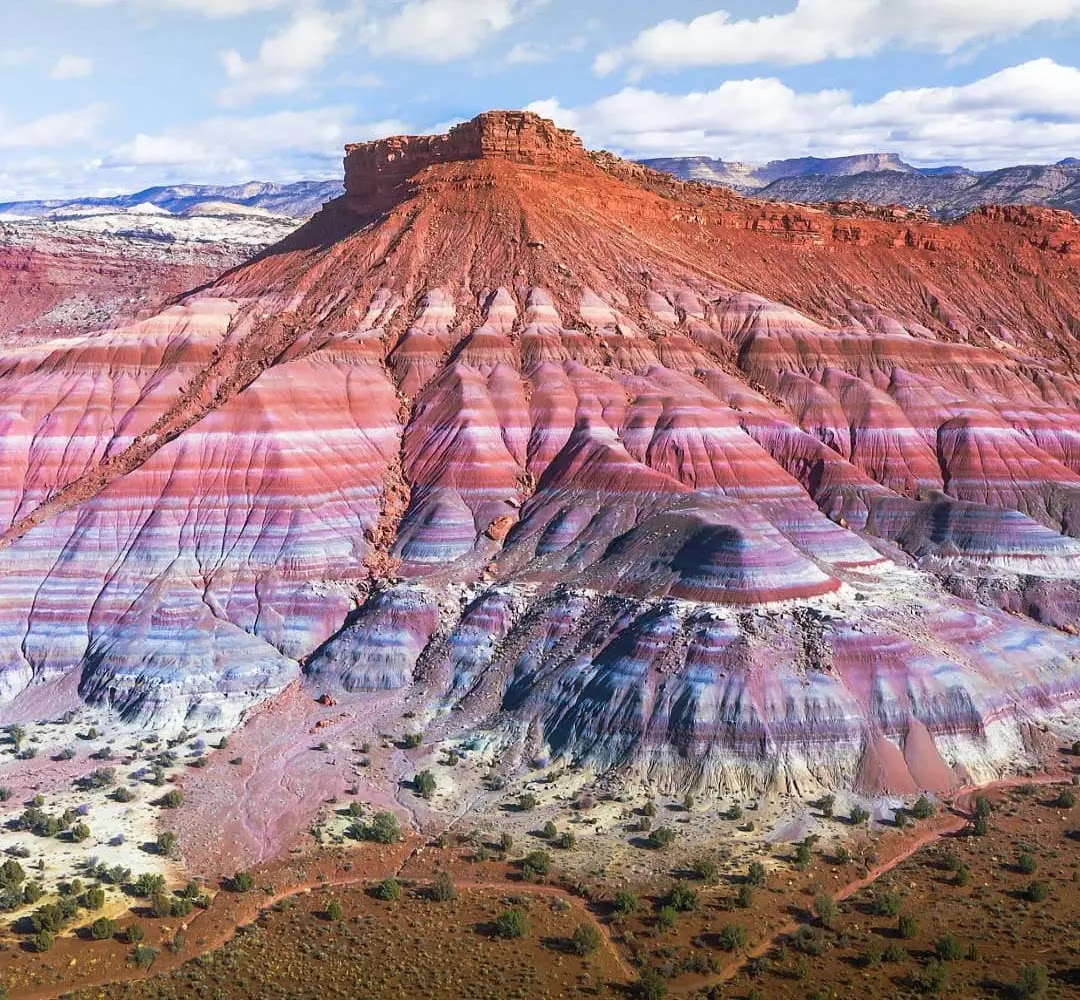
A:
x,y
738,494
375,170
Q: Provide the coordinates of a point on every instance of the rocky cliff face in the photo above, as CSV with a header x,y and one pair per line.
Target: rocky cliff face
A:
x,y
742,495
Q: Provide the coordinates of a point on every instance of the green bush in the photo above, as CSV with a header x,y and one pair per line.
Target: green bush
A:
x,y
334,911
242,882
566,840
424,784
1033,982
933,978
744,899
756,874
682,897
1036,892
706,869
388,889
383,829
103,929
1027,863
650,986
585,940
886,904
826,909
733,937
550,831
1066,799
908,927
43,940
923,808
948,949
527,802
442,889
512,923
859,815
626,902
662,836
536,864
172,799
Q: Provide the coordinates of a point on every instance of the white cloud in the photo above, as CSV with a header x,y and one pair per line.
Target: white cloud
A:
x,y
256,146
285,59
69,67
440,30
58,130
527,54
1027,113
208,8
815,30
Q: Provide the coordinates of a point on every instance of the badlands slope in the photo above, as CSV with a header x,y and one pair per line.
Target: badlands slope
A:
x,y
738,494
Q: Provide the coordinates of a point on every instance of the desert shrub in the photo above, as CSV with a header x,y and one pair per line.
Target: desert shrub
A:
x,y
49,917
1036,892
102,929
649,809
93,899
1027,863
512,923
651,986
923,808
585,939
122,794
825,908
733,937
536,864
161,906
80,832
756,874
334,911
148,884
662,836
907,926
803,855
962,875
682,897
181,906
859,815
167,844
242,882
566,840
827,803
134,934
43,940
626,902
1066,799
527,802
1033,982
550,831
744,898
383,829
506,842
886,904
948,949
810,941
388,889
705,869
424,784
412,740
172,799
144,956
895,953
666,917
442,889
933,978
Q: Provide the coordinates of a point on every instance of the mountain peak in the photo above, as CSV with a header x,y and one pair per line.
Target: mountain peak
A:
x,y
382,167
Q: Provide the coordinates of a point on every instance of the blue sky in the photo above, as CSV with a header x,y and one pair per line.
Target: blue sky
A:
x,y
104,96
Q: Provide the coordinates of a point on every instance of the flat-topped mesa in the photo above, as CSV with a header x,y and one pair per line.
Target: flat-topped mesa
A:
x,y
375,170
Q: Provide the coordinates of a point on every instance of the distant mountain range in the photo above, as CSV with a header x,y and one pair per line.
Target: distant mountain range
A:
x,y
298,200
883,178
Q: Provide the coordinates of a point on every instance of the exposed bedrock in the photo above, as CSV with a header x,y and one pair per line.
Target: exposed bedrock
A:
x,y
558,444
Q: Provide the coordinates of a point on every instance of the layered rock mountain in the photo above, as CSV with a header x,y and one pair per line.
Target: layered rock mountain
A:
x,y
630,471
